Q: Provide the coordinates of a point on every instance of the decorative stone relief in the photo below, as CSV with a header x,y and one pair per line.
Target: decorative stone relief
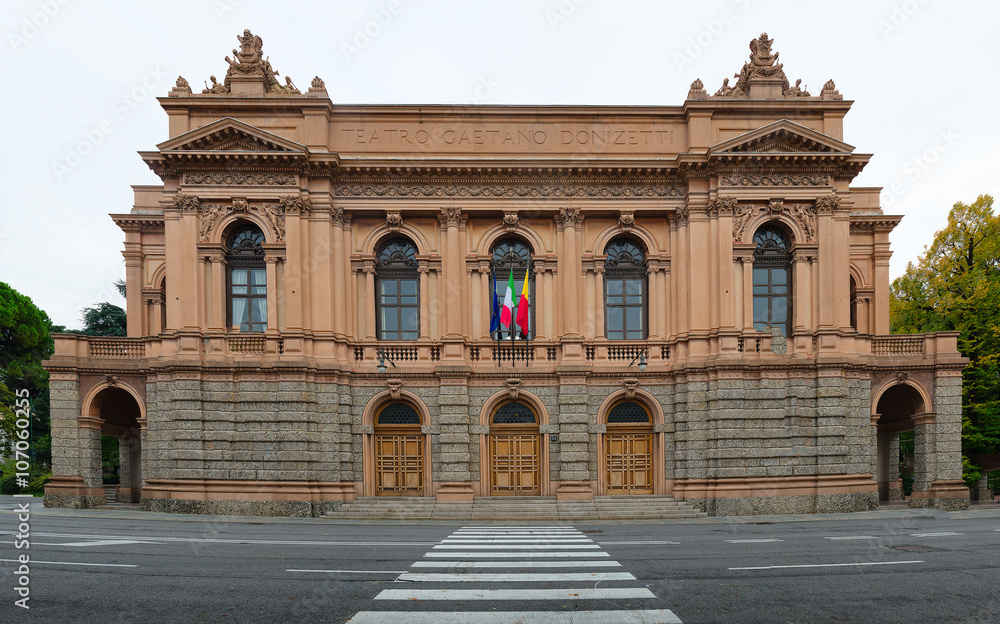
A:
x,y
830,92
337,216
827,204
209,216
630,384
317,86
240,179
681,214
451,216
626,220
296,204
111,380
395,385
569,217
186,203
763,64
510,221
804,214
697,88
611,191
513,387
774,180
722,205
394,220
796,91
182,88
274,214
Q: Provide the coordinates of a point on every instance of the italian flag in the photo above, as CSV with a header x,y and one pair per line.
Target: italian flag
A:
x,y
507,314
522,306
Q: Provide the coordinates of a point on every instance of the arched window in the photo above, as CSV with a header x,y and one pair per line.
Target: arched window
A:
x,y
625,291
514,413
772,280
247,278
628,412
398,414
397,288
512,256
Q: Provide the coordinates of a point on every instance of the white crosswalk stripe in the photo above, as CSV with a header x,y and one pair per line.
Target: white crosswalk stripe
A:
x,y
557,557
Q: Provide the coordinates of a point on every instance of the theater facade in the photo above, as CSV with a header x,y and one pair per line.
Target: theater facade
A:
x,y
309,298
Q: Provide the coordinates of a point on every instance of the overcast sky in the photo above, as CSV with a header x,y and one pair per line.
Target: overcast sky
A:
x,y
82,77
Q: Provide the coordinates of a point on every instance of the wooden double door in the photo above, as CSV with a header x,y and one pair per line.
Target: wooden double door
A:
x,y
628,462
515,466
399,464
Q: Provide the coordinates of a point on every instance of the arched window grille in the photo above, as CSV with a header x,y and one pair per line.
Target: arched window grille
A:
x,y
514,413
513,255
398,414
628,412
247,279
626,290
398,288
772,279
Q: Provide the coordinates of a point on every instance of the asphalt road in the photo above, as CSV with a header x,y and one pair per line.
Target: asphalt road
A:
x,y
126,566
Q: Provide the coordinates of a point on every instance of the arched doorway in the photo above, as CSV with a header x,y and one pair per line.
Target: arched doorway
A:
x,y
514,451
628,449
117,414
399,451
899,410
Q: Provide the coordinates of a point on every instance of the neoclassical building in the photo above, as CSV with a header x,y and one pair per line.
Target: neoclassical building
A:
x,y
309,294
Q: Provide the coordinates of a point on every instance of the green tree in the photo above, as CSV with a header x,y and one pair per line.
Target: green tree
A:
x,y
955,286
104,319
24,343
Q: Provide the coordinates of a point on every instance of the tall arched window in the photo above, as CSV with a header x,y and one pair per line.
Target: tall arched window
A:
x,y
512,256
772,280
625,291
854,304
397,285
247,278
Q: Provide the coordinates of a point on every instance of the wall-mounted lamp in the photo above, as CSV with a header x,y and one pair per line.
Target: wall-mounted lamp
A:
x,y
641,356
382,357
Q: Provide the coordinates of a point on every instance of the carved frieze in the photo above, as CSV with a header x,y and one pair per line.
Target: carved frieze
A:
x,y
774,180
614,191
240,179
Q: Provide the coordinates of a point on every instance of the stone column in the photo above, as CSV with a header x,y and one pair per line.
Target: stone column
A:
x,y
747,262
589,312
475,278
369,299
272,293
217,320
485,284
549,302
924,460
425,300
339,258
803,297
982,489
895,489
454,273
569,220
652,305
574,460
133,291
599,300
90,460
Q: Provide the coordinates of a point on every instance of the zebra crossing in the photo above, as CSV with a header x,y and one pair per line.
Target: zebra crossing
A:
x,y
570,565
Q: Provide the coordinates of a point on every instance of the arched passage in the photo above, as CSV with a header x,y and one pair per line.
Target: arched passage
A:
x,y
116,412
900,408
631,448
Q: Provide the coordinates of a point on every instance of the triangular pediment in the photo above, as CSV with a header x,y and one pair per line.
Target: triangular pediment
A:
x,y
782,137
230,135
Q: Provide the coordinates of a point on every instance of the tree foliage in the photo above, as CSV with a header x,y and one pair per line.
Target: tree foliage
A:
x,y
104,319
955,286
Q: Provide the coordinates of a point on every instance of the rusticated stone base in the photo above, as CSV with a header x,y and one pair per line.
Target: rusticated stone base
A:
x,y
277,509
777,505
72,501
948,495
